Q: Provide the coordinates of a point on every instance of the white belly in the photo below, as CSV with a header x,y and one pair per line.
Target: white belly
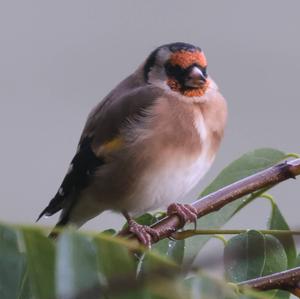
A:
x,y
172,181
168,184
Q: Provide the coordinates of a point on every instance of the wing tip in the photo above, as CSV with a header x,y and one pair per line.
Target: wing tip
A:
x,y
43,213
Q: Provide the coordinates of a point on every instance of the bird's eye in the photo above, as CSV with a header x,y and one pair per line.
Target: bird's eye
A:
x,y
204,72
175,71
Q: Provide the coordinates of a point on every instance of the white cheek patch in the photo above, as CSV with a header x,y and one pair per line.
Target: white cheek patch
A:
x,y
162,56
157,75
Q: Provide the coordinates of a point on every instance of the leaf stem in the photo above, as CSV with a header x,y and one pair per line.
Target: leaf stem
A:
x,y
221,238
190,232
268,197
292,155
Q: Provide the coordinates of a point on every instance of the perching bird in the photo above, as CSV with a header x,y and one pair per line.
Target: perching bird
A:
x,y
147,143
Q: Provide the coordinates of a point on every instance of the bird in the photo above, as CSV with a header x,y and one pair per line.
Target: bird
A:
x,y
146,144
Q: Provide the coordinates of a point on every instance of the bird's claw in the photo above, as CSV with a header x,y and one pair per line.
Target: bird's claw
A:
x,y
144,233
185,212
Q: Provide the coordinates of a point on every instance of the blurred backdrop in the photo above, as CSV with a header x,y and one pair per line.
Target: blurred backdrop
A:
x,y
59,58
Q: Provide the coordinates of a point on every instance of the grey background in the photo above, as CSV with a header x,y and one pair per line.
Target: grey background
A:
x,y
58,58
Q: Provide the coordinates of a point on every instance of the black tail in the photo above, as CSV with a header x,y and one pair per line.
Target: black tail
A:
x,y
54,206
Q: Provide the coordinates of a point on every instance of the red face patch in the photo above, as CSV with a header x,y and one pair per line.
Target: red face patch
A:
x,y
185,59
197,92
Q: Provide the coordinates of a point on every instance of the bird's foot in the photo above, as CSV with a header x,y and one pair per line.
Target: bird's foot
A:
x,y
185,212
144,233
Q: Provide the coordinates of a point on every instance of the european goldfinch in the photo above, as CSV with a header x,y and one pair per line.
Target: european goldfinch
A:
x,y
147,143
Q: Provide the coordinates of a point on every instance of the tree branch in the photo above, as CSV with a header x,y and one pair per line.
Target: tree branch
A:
x,y
218,199
287,280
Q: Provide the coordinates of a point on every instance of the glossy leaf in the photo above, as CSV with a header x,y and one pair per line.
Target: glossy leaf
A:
x,y
153,262
277,221
117,264
113,257
40,256
208,288
164,287
12,264
298,261
146,219
109,232
244,256
246,165
76,267
251,255
176,250
25,292
172,249
276,258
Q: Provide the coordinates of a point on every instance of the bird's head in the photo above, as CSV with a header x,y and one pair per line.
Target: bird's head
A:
x,y
180,67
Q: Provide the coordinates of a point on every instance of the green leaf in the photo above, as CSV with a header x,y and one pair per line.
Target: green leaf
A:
x,y
246,165
109,232
153,262
276,258
244,256
164,287
40,256
251,255
12,264
277,221
172,249
76,267
176,250
208,288
146,219
298,261
117,267
113,257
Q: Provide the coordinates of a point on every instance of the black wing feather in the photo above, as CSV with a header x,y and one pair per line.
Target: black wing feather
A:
x,y
82,168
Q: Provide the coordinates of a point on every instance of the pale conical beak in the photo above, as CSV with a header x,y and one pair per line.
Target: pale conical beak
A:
x,y
195,78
